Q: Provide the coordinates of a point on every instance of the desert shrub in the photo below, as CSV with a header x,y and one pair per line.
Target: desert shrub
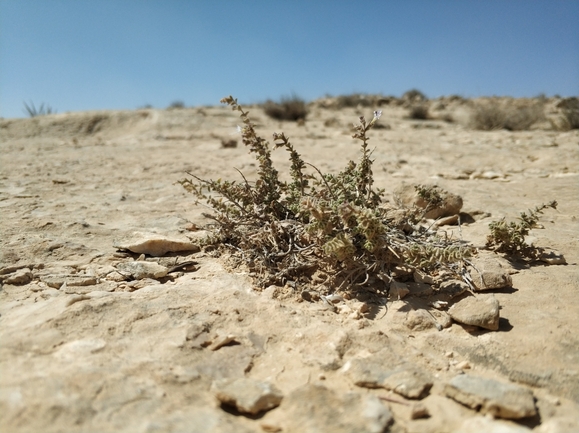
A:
x,y
509,237
176,105
32,111
321,230
569,114
354,100
419,112
414,95
492,115
292,108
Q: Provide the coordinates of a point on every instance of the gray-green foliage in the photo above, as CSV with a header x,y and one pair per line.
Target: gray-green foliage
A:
x,y
319,229
509,237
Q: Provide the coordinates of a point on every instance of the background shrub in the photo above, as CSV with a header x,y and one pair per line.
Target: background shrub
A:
x,y
492,115
419,112
293,108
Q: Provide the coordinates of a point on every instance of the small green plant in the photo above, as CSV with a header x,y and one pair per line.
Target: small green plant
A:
x,y
322,230
509,238
293,108
32,111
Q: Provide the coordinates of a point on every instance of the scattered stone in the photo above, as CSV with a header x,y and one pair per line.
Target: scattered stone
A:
x,y
488,273
503,400
479,424
247,395
463,365
315,408
154,244
420,320
552,258
222,340
13,268
141,269
419,411
421,277
398,290
56,281
481,311
410,383
452,203
419,289
20,277
453,288
371,372
442,318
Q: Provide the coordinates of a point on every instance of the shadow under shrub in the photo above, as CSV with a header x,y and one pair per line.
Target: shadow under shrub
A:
x,y
293,108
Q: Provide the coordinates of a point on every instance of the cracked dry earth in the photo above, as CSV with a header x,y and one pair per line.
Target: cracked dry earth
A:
x,y
195,348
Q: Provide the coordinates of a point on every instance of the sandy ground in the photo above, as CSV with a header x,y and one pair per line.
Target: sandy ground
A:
x,y
120,356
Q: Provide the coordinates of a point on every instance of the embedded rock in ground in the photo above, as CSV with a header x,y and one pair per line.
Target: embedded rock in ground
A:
x,y
20,277
142,269
398,290
481,311
563,424
57,281
488,273
154,244
420,320
480,424
384,370
451,203
315,408
503,400
410,383
247,395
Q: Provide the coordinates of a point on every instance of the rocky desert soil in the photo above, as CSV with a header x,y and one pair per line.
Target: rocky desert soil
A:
x,y
97,338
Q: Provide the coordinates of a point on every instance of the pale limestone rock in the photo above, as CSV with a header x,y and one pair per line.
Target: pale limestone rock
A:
x,y
502,400
247,395
314,408
141,269
490,273
154,244
480,424
481,311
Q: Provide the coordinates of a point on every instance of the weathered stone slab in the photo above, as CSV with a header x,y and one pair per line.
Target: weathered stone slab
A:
x,y
314,408
247,395
481,311
489,273
154,244
142,269
57,281
503,400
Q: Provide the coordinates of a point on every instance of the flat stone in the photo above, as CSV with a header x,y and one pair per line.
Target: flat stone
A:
x,y
481,311
410,383
57,281
552,258
502,400
247,395
419,320
488,273
154,244
480,424
453,288
313,408
398,290
372,372
142,269
20,277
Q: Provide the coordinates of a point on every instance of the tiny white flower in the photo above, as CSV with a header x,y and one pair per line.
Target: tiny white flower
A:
x,y
377,114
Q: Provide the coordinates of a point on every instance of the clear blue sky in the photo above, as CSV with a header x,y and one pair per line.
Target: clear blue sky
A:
x,y
123,54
